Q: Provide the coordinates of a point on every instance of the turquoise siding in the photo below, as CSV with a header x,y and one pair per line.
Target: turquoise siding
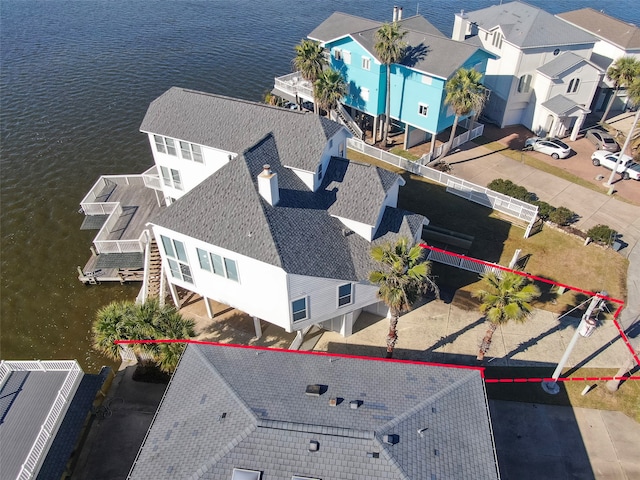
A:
x,y
408,90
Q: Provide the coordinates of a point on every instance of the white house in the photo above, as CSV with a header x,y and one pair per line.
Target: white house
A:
x,y
542,76
265,216
615,39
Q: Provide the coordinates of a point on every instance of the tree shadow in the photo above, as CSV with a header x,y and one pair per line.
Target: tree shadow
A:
x,y
524,346
414,54
446,340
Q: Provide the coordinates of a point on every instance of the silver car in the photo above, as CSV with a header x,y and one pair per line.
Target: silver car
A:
x,y
549,146
602,140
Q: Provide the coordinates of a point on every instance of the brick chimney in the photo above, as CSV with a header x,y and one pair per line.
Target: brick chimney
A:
x,y
268,185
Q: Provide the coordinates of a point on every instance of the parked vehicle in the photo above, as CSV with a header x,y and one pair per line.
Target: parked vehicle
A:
x,y
602,140
627,168
549,146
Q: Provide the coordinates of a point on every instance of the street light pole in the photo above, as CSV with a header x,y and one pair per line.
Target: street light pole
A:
x,y
585,328
624,149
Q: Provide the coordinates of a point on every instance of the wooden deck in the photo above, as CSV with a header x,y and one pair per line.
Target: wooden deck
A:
x,y
139,205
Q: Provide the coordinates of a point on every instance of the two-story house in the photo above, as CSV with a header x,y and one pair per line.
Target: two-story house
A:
x,y
264,213
541,76
417,81
615,39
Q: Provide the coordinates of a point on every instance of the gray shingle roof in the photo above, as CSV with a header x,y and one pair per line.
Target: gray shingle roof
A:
x,y
526,26
433,54
561,105
613,30
341,24
230,406
195,117
299,234
560,64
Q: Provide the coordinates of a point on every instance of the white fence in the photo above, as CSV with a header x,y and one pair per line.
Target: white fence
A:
x,y
49,428
474,130
518,209
464,263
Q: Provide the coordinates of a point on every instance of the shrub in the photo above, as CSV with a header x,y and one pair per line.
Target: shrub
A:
x,y
602,234
562,216
507,187
544,209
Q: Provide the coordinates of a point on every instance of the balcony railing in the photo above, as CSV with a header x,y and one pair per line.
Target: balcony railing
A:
x,y
54,418
294,85
151,179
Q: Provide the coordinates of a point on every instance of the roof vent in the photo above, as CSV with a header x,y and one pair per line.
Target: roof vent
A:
x,y
314,446
353,404
391,439
373,454
315,390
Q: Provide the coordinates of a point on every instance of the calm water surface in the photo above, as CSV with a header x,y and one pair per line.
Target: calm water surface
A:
x,y
76,78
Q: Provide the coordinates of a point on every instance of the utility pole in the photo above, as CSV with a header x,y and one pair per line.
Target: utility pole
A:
x,y
624,149
585,328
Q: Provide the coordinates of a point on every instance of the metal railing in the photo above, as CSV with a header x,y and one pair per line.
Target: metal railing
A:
x,y
509,206
465,264
344,117
56,413
294,84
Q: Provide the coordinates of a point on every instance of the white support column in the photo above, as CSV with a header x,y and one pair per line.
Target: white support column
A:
x,y
346,329
162,294
407,133
577,126
207,305
258,327
375,128
174,294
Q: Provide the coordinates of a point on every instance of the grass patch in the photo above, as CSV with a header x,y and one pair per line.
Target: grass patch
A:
x,y
404,154
626,399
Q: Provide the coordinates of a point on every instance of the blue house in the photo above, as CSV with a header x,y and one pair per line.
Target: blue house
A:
x,y
417,82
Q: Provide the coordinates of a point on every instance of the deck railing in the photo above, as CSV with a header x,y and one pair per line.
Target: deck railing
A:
x,y
510,206
151,179
56,413
294,84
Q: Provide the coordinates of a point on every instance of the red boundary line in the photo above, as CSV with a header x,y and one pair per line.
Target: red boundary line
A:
x,y
480,369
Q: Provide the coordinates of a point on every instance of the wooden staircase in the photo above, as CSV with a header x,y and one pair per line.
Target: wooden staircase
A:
x,y
155,271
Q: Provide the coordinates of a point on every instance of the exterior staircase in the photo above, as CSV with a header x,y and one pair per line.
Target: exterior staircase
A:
x,y
343,117
155,270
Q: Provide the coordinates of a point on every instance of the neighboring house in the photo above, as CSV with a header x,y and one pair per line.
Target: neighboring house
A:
x,y
43,408
417,82
264,215
542,76
240,413
615,39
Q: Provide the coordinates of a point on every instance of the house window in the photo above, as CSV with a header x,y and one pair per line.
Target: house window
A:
x,y
337,54
177,259
299,309
221,266
344,294
166,179
423,109
175,177
364,94
159,144
556,52
319,172
366,63
573,85
427,80
497,40
171,178
524,84
346,56
191,152
171,146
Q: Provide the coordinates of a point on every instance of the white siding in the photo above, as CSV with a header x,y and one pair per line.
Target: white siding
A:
x,y
191,172
322,297
261,291
362,229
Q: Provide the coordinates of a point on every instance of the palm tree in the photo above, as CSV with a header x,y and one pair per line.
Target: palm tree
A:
x,y
390,48
505,298
147,321
465,94
404,275
310,61
622,73
329,89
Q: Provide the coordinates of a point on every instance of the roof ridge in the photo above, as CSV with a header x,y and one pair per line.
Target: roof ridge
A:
x,y
318,429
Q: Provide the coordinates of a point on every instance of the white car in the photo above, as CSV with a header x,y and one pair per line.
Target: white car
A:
x,y
549,146
627,167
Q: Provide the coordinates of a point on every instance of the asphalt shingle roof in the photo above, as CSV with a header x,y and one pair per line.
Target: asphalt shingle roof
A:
x,y
526,26
236,407
300,234
613,30
560,64
560,105
195,117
